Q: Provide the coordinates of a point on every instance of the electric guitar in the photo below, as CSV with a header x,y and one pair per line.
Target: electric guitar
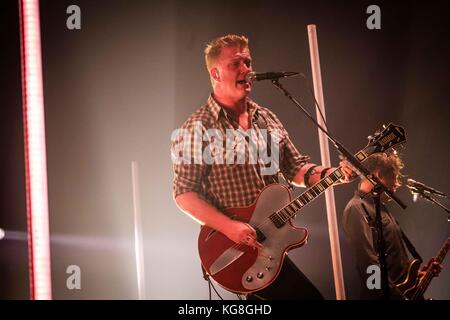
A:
x,y
414,287
243,269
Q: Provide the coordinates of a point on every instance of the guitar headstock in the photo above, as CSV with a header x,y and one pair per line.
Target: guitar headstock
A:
x,y
388,137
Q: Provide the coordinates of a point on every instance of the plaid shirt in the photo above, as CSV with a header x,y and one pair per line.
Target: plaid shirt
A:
x,y
228,184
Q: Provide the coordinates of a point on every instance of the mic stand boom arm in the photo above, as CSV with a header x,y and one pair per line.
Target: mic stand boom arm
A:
x,y
427,196
349,157
378,189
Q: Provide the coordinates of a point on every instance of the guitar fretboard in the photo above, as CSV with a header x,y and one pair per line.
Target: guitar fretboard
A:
x,y
425,282
289,211
443,252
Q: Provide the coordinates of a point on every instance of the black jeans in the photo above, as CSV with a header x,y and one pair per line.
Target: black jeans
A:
x,y
291,284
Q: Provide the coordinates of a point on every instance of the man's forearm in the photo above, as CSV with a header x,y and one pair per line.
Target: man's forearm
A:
x,y
201,211
299,178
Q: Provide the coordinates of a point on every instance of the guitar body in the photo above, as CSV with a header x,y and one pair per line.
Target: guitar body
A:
x,y
240,268
409,283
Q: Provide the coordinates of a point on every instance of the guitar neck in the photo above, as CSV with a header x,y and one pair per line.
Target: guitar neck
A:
x,y
391,136
290,210
443,252
429,275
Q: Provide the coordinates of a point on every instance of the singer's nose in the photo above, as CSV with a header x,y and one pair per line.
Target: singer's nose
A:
x,y
246,67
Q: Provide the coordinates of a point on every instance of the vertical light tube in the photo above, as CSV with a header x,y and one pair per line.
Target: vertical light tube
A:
x,y
325,156
138,242
35,152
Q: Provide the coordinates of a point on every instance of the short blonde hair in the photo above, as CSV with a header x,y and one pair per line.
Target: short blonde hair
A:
x,y
214,48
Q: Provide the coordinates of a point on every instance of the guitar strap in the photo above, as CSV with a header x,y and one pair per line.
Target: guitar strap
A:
x,y
262,125
406,241
411,248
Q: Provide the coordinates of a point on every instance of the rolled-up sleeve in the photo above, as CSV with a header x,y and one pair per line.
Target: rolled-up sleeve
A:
x,y
187,178
186,150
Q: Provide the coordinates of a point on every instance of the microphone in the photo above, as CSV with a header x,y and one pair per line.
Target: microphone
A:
x,y
258,76
420,187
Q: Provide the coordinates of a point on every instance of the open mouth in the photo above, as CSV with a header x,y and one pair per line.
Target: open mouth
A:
x,y
243,81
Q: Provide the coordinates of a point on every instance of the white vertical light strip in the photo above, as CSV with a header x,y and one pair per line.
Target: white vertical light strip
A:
x,y
138,243
325,157
35,151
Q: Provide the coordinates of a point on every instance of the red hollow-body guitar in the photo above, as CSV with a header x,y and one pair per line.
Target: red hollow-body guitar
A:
x,y
242,269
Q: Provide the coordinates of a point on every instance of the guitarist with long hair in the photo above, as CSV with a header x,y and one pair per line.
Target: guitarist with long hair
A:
x,y
359,227
209,179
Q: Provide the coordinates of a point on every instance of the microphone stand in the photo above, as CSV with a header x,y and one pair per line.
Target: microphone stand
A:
x,y
378,189
427,196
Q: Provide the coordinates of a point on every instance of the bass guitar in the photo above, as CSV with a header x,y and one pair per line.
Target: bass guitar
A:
x,y
411,285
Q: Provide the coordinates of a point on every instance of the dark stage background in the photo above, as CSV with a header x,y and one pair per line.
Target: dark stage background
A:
x,y
116,89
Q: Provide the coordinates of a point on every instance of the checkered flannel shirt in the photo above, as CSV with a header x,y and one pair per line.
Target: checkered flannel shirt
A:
x,y
230,185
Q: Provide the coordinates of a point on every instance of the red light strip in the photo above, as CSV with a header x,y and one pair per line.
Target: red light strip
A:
x,y
35,151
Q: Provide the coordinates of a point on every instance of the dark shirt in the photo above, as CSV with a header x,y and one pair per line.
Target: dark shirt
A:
x,y
360,230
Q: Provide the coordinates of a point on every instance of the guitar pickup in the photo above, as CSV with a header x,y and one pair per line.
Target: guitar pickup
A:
x,y
260,237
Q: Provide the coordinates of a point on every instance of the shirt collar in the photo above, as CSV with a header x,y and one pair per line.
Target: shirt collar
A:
x,y
214,107
217,111
361,194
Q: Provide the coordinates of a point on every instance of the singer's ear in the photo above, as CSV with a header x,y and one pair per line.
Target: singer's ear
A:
x,y
384,178
215,74
377,173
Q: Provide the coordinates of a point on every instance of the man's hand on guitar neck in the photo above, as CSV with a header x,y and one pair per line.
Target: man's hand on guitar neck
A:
x,y
436,268
349,174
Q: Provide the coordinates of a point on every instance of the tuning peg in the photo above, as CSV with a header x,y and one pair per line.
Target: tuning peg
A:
x,y
374,136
